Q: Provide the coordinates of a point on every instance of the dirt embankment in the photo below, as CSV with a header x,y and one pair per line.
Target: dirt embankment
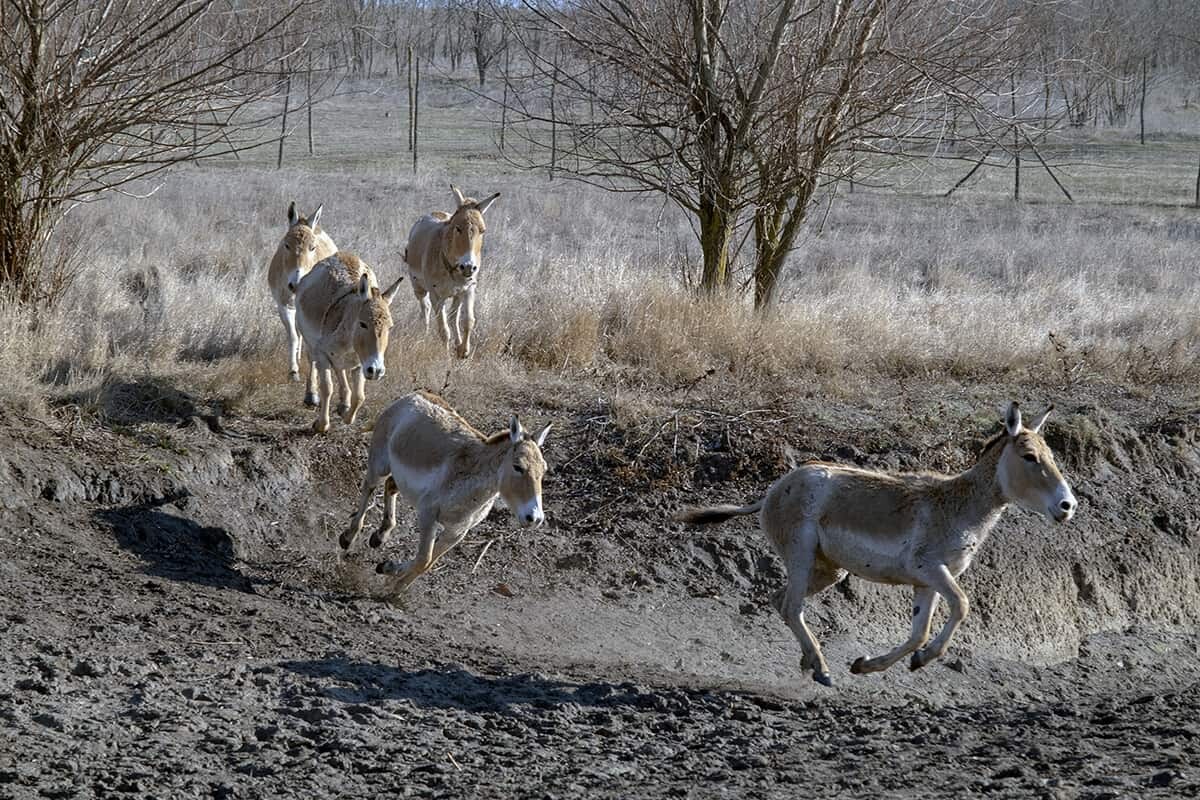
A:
x,y
178,616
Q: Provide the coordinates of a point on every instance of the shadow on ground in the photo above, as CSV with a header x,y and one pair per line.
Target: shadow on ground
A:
x,y
177,548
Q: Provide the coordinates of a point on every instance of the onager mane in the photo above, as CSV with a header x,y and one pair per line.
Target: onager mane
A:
x,y
495,438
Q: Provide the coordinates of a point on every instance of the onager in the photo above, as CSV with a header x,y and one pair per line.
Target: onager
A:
x,y
301,248
346,322
921,530
450,472
444,254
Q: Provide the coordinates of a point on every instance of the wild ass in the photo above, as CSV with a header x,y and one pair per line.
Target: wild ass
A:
x,y
922,530
302,246
450,472
444,254
345,321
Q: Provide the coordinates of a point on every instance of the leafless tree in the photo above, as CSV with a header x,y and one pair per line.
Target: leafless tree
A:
x,y
730,107
489,34
95,95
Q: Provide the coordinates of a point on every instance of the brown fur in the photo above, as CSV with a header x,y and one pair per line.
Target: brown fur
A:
x,y
347,321
302,246
449,471
919,529
444,254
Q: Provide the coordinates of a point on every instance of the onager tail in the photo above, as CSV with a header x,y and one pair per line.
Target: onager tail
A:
x,y
713,514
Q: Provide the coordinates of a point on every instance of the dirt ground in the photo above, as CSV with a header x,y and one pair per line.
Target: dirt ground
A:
x,y
178,621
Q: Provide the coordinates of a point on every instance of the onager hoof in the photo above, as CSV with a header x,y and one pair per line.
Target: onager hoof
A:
x,y
822,678
320,426
311,400
463,350
294,376
917,661
349,416
377,539
346,539
342,409
857,667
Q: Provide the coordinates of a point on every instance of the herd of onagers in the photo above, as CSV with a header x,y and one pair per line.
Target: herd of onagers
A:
x,y
824,520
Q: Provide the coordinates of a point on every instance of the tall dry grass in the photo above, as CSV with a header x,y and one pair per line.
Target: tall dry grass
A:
x,y
585,284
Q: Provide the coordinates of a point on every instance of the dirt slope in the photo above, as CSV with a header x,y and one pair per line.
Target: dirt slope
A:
x,y
178,621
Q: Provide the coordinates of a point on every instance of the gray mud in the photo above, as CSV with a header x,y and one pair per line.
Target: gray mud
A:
x,y
178,622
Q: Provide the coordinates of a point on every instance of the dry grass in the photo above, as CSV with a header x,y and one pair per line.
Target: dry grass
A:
x,y
584,285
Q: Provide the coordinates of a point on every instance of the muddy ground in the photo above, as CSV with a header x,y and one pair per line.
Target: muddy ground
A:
x,y
178,622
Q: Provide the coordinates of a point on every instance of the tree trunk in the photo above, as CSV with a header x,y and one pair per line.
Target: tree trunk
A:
x,y
716,233
775,230
768,255
22,255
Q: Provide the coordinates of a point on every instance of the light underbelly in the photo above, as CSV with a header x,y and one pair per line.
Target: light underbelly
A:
x,y
415,483
873,558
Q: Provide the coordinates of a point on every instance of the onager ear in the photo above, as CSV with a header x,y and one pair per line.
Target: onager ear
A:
x,y
541,436
458,196
1040,420
316,215
364,287
1012,420
291,213
515,431
484,205
391,290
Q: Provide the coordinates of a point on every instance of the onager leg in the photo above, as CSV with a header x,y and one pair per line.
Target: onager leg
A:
x,y
439,311
409,571
465,308
945,585
388,523
423,302
925,602
801,556
322,423
343,406
311,397
824,574
447,540
358,392
455,324
287,314
369,484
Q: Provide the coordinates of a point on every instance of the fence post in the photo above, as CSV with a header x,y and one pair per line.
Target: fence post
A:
x,y
416,108
287,96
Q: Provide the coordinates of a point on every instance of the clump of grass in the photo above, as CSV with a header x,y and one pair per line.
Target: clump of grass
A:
x,y
577,281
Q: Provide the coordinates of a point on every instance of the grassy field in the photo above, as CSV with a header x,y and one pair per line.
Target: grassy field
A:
x,y
894,281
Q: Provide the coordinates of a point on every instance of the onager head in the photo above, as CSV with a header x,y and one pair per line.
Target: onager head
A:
x,y
373,325
1027,473
521,474
300,244
462,246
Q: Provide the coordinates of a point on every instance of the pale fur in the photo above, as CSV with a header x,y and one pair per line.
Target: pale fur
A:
x,y
346,323
444,255
921,530
302,246
450,473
